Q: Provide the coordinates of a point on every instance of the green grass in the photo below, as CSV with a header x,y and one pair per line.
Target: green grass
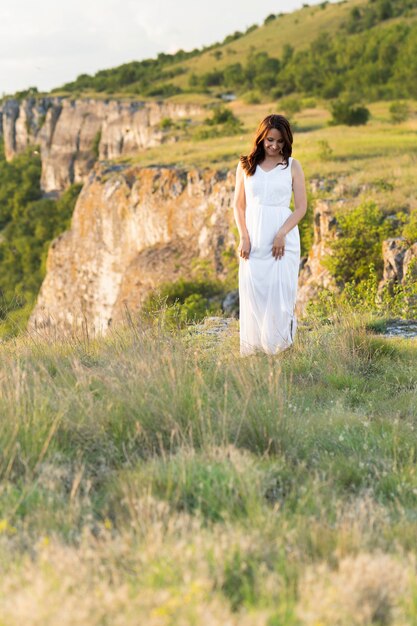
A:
x,y
161,477
373,162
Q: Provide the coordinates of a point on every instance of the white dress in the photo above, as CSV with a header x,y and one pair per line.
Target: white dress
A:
x,y
268,286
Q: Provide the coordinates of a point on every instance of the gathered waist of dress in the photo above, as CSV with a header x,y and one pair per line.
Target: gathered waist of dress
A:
x,y
260,205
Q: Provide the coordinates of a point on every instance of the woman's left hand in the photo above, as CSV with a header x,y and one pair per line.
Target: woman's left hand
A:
x,y
278,247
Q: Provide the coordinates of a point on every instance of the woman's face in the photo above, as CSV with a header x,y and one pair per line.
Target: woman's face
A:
x,y
273,142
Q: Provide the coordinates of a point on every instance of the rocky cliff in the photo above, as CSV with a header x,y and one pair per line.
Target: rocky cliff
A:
x,y
400,268
133,228
72,134
313,275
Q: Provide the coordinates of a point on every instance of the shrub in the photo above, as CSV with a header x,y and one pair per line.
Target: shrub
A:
x,y
222,123
325,151
362,231
343,112
308,103
96,144
290,105
410,228
211,79
222,115
252,97
399,112
236,35
164,90
166,123
184,301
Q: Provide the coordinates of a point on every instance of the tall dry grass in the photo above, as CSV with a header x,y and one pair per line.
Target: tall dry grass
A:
x,y
159,476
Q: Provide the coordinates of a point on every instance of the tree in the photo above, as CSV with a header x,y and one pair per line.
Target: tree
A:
x,y
343,112
29,222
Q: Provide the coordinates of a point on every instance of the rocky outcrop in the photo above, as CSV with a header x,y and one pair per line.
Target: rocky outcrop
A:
x,y
136,227
397,255
313,275
73,134
400,267
133,228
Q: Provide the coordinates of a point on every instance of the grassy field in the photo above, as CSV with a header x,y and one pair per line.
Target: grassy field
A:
x,y
161,477
376,161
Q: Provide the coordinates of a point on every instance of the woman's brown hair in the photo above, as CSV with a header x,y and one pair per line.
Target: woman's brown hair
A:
x,y
257,154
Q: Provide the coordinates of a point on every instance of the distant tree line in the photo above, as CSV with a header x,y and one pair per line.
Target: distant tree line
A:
x,y
381,63
149,77
358,59
363,18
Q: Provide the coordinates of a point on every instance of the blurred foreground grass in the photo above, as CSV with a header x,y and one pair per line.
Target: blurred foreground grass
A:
x,y
161,477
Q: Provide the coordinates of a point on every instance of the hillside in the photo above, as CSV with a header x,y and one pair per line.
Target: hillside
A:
x,y
371,43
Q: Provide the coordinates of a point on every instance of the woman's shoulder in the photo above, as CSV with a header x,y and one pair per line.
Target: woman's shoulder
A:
x,y
240,170
294,164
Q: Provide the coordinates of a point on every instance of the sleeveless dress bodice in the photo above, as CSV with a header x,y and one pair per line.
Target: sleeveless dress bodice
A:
x,y
273,188
268,286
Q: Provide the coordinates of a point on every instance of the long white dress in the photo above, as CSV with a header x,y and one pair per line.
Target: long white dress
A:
x,y
268,286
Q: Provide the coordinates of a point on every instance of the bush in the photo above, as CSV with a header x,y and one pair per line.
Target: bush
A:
x,y
166,123
346,113
96,144
165,90
290,105
399,112
362,231
184,301
410,228
308,103
222,115
325,151
223,123
251,97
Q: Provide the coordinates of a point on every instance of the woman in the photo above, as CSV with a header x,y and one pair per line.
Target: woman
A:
x,y
269,247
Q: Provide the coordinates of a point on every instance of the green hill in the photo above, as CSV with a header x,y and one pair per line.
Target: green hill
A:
x,y
365,48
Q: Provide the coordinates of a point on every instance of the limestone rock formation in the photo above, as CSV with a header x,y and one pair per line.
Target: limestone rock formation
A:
x,y
313,275
399,261
133,228
72,134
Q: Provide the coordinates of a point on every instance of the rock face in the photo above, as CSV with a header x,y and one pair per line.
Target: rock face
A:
x,y
72,134
400,266
313,275
133,228
397,255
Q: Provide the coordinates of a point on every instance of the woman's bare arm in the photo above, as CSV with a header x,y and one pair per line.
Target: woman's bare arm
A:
x,y
300,208
239,210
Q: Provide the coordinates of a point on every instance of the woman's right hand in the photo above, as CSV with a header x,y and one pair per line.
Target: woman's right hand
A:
x,y
244,247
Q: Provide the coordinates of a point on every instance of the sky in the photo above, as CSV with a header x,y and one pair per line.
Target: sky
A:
x,y
50,42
